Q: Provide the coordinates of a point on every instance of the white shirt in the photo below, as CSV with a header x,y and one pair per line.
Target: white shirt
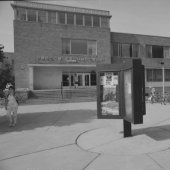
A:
x,y
12,101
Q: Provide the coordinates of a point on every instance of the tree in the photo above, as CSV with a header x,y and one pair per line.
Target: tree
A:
x,y
6,72
1,53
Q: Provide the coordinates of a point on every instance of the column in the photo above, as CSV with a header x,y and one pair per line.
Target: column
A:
x,y
31,78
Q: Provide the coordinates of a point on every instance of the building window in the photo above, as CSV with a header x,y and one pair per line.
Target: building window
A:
x,y
79,19
135,50
149,51
79,79
125,50
96,21
104,22
66,46
115,49
65,79
31,15
157,51
61,17
167,74
166,52
91,47
154,51
78,46
93,78
154,75
88,20
70,18
20,14
52,17
42,16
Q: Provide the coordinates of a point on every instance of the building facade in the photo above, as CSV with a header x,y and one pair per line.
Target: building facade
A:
x,y
153,50
57,45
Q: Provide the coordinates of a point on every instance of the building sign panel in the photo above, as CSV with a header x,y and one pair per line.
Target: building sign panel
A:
x,y
68,59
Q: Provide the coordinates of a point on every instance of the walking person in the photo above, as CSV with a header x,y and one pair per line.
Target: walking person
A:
x,y
11,106
152,95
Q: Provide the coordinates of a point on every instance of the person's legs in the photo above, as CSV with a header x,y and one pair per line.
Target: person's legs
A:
x,y
9,115
15,115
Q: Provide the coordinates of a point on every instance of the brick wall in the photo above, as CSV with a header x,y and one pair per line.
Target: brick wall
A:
x,y
35,39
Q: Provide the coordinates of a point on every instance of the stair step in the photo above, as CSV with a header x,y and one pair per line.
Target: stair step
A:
x,y
67,93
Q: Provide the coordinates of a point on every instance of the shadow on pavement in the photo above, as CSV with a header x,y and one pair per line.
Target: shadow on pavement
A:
x,y
157,133
30,121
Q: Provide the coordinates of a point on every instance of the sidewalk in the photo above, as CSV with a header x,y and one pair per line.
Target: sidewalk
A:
x,y
70,137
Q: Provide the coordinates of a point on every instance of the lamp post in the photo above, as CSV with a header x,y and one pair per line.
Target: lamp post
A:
x,y
163,82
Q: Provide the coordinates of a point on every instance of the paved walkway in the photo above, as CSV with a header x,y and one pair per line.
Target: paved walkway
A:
x,y
70,137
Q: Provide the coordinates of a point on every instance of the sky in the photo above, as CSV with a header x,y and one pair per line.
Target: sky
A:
x,y
148,17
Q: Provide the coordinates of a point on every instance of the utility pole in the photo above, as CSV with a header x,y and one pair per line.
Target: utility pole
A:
x,y
163,82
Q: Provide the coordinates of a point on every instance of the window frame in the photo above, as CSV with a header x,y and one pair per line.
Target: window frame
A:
x,y
32,15
70,45
131,49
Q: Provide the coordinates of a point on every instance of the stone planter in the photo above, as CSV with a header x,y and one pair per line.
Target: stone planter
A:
x,y
22,94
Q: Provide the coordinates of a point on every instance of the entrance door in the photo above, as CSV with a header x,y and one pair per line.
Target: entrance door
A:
x,y
86,79
72,79
80,79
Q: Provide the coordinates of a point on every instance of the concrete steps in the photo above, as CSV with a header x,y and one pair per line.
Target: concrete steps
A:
x,y
66,94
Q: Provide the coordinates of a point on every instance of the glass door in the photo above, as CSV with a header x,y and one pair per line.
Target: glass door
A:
x,y
80,79
87,79
72,79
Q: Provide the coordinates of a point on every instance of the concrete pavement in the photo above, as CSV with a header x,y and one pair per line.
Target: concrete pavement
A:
x,y
70,137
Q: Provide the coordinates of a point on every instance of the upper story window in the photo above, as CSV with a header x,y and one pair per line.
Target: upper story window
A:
x,y
31,14
79,19
42,16
167,74
52,17
92,46
88,20
61,17
96,21
155,51
104,22
66,46
78,46
70,18
20,14
125,50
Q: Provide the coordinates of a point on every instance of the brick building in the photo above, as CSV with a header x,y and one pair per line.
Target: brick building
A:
x,y
59,44
56,44
153,50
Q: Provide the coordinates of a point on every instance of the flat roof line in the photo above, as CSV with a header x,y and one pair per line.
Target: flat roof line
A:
x,y
60,8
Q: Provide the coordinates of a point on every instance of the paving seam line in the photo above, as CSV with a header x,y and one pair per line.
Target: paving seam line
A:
x,y
35,152
147,154
76,140
86,167
104,144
